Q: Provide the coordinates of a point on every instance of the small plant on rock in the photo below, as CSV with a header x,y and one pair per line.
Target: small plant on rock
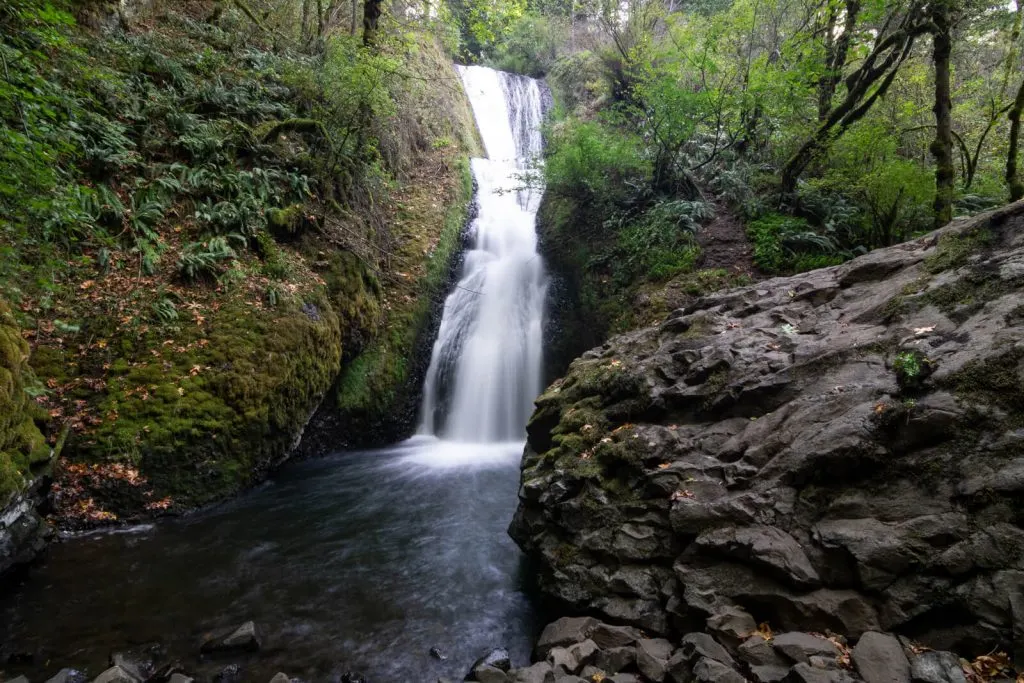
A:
x,y
911,368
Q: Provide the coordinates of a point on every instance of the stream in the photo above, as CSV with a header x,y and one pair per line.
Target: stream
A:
x,y
359,562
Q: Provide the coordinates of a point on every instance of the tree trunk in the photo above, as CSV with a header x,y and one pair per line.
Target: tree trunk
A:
x,y
1013,180
942,147
371,18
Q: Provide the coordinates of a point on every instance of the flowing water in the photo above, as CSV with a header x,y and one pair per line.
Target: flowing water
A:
x,y
485,369
363,561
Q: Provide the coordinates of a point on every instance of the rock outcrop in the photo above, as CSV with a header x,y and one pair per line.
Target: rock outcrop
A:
x,y
841,450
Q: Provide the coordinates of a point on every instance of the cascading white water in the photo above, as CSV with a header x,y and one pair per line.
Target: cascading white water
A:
x,y
485,369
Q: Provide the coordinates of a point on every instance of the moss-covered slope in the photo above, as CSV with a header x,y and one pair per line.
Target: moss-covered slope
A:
x,y
203,224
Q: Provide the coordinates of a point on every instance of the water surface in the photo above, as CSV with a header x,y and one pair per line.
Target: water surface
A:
x,y
360,562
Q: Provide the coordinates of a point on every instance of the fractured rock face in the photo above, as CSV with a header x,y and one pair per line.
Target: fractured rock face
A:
x,y
839,450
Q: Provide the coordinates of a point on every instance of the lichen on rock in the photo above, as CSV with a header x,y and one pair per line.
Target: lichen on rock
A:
x,y
801,452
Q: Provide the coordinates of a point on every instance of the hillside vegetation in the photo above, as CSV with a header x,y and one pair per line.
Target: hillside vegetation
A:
x,y
825,128
207,211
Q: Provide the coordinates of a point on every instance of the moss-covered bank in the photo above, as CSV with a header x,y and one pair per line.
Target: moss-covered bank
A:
x,y
23,449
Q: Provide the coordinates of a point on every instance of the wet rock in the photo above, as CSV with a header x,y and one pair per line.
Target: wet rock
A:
x,y
182,678
350,677
242,638
115,674
564,631
19,679
799,647
879,658
437,654
230,674
497,658
138,665
936,667
624,678
488,674
68,676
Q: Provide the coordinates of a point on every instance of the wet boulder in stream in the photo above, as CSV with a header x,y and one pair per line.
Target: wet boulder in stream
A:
x,y
232,639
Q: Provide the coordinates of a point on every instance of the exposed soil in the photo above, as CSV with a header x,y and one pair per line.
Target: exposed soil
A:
x,y
724,245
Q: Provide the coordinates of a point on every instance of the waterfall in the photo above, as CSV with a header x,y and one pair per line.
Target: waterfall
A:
x,y
485,368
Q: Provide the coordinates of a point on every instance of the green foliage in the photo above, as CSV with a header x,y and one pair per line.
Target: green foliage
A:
x,y
661,242
592,163
531,45
200,260
912,368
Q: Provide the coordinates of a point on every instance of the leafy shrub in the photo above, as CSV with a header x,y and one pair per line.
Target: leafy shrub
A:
x,y
590,162
661,243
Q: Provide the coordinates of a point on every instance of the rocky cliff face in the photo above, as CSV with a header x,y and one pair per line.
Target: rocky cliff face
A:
x,y
841,450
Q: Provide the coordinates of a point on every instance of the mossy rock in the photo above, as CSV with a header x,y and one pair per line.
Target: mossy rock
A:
x,y
23,449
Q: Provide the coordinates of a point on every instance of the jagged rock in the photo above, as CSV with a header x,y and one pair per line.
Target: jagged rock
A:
x,y
936,667
879,658
757,651
606,636
115,674
564,631
19,679
652,656
615,659
703,645
68,676
242,638
711,671
182,678
624,678
764,451
805,673
799,647
537,673
573,658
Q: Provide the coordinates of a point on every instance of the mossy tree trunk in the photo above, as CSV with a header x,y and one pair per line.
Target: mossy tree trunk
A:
x,y
372,10
942,147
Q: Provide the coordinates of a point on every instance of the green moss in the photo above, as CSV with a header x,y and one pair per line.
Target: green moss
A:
x,y
954,249
996,381
205,423
371,384
22,445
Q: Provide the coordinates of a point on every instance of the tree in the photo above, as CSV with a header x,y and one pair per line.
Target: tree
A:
x,y
942,147
869,82
1013,180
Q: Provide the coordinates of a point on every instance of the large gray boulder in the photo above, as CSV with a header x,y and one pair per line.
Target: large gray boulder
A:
x,y
841,450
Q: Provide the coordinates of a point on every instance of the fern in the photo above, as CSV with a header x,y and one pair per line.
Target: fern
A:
x,y
200,260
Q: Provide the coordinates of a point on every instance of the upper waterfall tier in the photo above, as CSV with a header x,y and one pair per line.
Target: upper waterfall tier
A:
x,y
485,369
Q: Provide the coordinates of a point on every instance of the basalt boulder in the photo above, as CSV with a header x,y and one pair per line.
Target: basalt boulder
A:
x,y
841,450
